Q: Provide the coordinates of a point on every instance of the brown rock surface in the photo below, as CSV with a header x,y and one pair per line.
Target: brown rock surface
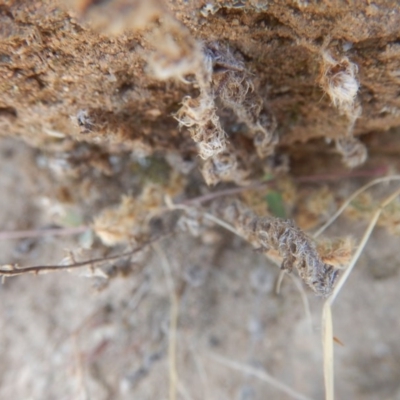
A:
x,y
64,78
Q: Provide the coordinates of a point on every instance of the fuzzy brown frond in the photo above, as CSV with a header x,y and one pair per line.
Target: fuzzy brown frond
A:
x,y
295,248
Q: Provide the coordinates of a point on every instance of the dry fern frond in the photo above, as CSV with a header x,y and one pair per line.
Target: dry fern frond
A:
x,y
217,74
199,115
234,85
177,55
293,245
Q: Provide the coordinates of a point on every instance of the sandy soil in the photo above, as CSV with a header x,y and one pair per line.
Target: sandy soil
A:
x,y
70,336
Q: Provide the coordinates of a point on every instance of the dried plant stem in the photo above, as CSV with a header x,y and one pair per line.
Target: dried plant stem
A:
x,y
206,215
173,322
327,325
361,246
5,235
279,282
8,235
13,271
351,198
327,345
226,192
301,179
262,375
220,222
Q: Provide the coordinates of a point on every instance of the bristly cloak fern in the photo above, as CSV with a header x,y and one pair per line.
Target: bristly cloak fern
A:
x,y
295,248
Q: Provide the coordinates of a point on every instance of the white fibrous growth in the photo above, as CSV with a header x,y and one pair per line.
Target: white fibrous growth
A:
x,y
339,81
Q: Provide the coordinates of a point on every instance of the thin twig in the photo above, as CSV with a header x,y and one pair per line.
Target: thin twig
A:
x,y
206,215
51,268
226,192
334,177
5,235
220,222
262,375
173,322
301,179
278,285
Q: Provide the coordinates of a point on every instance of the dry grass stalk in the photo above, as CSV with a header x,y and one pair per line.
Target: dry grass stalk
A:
x,y
35,233
173,323
364,207
327,325
327,345
351,198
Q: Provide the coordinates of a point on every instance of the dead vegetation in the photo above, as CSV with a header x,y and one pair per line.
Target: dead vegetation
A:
x,y
127,101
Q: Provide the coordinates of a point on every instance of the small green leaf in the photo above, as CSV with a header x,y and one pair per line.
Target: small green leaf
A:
x,y
275,204
267,178
71,218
